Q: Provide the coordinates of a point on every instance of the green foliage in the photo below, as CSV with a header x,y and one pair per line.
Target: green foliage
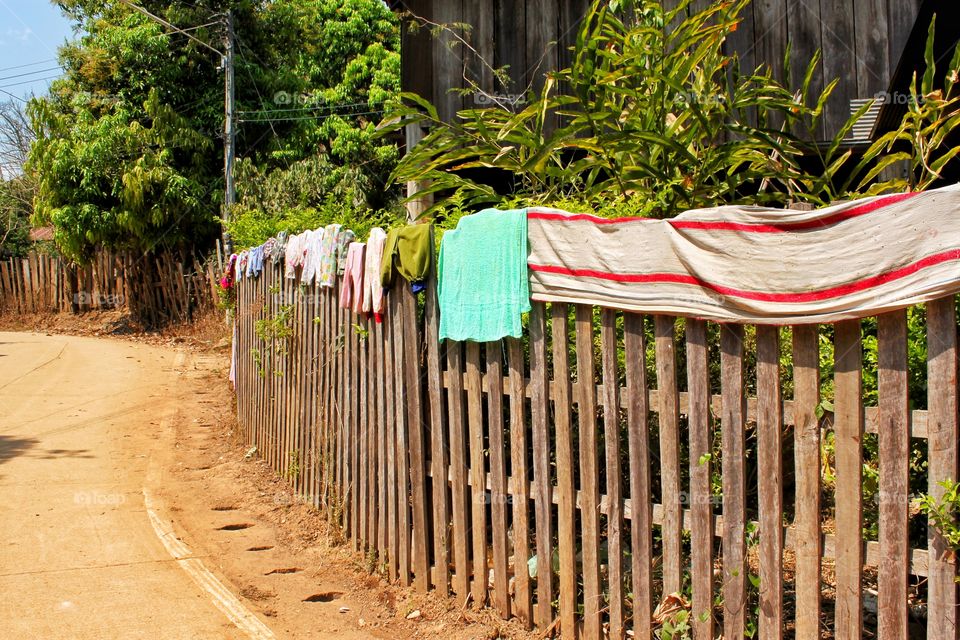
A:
x,y
14,219
921,139
943,512
651,119
311,193
128,153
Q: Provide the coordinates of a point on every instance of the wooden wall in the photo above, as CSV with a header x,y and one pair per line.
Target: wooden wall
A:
x,y
531,37
861,40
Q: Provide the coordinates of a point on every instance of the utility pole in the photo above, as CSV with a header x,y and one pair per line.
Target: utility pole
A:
x,y
229,131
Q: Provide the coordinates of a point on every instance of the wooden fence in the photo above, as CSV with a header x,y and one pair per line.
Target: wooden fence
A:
x,y
594,454
156,289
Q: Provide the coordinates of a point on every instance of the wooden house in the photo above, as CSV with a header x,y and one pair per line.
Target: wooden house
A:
x,y
871,46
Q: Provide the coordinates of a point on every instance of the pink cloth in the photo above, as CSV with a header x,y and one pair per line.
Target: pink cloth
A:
x,y
351,290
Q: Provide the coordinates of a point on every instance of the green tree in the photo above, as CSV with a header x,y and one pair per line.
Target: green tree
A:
x,y
129,148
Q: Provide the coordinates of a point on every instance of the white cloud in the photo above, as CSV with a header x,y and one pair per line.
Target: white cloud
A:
x,y
18,35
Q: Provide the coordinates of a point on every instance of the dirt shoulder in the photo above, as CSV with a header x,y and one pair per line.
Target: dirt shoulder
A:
x,y
283,560
283,557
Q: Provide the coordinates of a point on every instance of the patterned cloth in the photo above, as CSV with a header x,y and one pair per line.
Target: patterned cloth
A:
x,y
327,274
293,256
344,238
278,248
311,258
753,264
242,260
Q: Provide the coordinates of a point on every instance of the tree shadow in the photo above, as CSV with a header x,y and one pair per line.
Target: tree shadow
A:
x,y
12,446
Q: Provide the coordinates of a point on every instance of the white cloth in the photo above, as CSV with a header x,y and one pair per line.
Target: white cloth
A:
x,y
752,264
373,300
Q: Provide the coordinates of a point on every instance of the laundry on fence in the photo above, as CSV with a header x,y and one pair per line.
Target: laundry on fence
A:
x,y
373,301
483,285
278,248
752,264
327,266
311,258
351,289
344,238
293,257
407,253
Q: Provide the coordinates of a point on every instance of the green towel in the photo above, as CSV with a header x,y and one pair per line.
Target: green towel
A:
x,y
483,284
406,252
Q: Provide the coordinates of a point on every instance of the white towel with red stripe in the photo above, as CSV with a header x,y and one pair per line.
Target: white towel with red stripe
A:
x,y
753,264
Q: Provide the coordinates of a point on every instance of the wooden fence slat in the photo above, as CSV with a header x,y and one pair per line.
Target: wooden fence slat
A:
x,y
894,445
402,441
641,522
942,461
438,439
672,531
498,478
566,509
393,494
701,534
520,482
806,399
770,481
543,485
456,414
383,417
732,426
417,443
589,472
478,473
611,438
362,366
848,434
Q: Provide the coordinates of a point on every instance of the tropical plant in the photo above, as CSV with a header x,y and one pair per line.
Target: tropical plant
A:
x,y
652,116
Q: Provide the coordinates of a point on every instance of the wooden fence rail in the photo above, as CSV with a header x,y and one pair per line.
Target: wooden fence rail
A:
x,y
156,289
556,477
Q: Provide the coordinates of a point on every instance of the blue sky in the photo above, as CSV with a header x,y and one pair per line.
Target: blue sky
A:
x,y
30,32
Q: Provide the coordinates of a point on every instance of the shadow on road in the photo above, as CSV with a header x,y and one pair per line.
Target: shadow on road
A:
x,y
12,446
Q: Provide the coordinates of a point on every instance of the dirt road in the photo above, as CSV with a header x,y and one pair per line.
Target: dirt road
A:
x,y
131,509
80,557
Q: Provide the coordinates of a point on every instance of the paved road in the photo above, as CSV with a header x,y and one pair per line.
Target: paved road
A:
x,y
80,429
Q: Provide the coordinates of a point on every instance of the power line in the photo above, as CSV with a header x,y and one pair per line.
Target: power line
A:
x,y
314,118
170,26
30,73
29,64
323,107
17,84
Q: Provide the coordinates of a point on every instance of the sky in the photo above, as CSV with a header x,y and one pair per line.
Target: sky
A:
x,y
30,32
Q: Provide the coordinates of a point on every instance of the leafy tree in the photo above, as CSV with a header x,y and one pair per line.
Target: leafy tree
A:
x,y
16,187
129,152
652,117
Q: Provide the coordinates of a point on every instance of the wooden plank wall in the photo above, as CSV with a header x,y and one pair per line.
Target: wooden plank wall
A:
x,y
861,41
528,38
554,478
157,290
